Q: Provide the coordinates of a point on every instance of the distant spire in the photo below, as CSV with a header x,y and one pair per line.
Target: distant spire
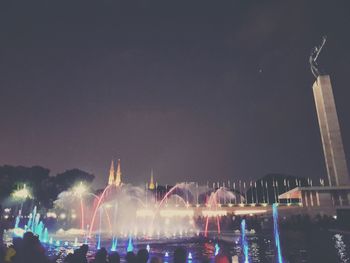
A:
x,y
151,183
111,174
118,178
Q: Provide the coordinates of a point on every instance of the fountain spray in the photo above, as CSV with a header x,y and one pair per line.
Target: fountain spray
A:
x,y
99,231
130,247
244,241
217,249
276,232
114,244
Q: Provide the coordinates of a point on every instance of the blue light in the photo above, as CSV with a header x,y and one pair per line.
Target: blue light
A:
x,y
114,244
98,241
244,241
46,235
217,249
130,246
276,233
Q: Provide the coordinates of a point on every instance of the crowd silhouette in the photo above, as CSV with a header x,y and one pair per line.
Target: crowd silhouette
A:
x,y
29,250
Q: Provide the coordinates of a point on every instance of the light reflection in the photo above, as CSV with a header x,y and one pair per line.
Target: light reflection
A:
x,y
341,248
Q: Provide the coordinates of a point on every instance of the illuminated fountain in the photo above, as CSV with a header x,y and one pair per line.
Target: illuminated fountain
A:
x,y
45,236
244,242
99,231
121,213
172,215
18,218
122,210
217,249
114,244
276,233
215,201
130,247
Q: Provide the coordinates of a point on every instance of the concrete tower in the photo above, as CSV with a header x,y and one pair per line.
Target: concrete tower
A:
x,y
118,178
330,132
111,174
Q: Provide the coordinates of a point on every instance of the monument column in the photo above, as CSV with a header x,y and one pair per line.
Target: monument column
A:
x,y
330,132
332,143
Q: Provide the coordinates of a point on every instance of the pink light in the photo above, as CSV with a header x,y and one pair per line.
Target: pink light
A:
x,y
95,211
218,223
206,227
167,194
108,220
82,213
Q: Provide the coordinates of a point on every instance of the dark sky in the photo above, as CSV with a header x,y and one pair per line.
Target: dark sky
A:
x,y
196,90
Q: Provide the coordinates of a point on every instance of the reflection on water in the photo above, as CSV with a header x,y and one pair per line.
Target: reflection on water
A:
x,y
340,246
254,249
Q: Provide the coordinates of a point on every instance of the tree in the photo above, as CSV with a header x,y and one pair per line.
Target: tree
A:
x,y
44,188
13,177
69,178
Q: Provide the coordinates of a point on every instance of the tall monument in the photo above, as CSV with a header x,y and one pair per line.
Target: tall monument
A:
x,y
329,125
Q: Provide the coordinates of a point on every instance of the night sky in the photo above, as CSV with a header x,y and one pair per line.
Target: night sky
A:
x,y
196,90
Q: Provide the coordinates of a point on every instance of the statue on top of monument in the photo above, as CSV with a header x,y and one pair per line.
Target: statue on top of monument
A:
x,y
315,52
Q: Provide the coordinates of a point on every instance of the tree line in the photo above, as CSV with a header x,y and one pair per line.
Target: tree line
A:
x,y
44,188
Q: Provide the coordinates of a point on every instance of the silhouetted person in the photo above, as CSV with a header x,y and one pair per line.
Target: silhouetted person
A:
x,y
69,258
101,256
130,257
80,254
180,255
31,250
142,256
114,258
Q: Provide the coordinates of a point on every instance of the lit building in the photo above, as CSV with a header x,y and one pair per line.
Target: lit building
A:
x,y
111,174
115,177
118,178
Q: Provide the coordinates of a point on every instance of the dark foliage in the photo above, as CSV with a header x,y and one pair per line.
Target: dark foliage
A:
x,y
44,188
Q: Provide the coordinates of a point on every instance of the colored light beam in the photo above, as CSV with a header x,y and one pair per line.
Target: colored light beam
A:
x,y
276,232
244,241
